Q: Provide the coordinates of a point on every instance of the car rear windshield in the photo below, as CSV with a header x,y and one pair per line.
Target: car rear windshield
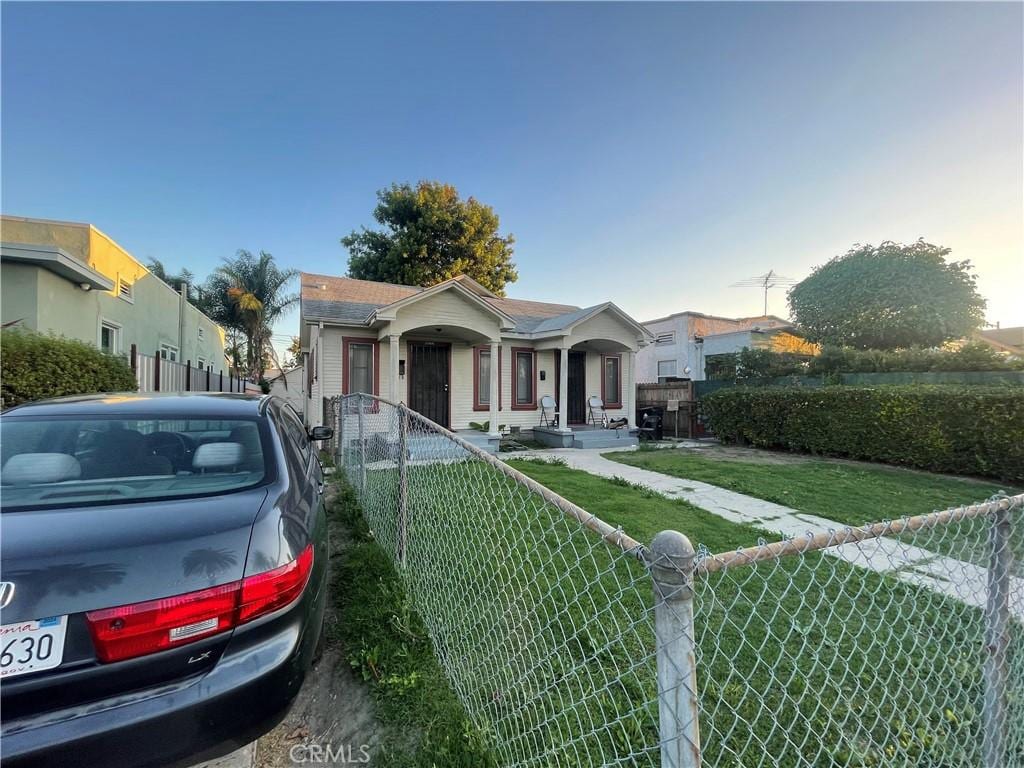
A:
x,y
58,462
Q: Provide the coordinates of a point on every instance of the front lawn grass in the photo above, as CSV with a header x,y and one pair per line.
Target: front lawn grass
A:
x,y
852,494
545,633
847,493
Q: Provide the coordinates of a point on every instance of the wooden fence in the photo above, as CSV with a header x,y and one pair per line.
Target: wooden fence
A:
x,y
155,374
677,401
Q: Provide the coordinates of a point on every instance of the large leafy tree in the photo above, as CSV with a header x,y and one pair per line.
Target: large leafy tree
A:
x,y
248,294
887,297
429,234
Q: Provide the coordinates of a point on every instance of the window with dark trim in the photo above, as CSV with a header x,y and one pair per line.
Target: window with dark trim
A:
x,y
482,378
524,379
361,360
611,381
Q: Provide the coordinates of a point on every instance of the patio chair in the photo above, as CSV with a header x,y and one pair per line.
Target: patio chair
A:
x,y
598,416
548,411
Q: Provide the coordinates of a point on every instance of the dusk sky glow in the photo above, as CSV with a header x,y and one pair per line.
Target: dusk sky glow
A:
x,y
650,154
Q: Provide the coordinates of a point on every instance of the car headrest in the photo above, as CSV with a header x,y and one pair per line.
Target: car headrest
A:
x,y
34,468
217,455
248,436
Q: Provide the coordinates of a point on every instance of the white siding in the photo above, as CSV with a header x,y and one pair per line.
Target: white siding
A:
x,y
447,308
604,326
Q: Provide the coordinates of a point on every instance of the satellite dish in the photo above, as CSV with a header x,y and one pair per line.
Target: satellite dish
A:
x,y
687,370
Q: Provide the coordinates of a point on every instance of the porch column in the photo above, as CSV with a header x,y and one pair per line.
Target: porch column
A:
x,y
393,383
493,430
628,377
563,390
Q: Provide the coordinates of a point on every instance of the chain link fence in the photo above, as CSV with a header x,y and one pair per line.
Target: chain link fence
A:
x,y
572,644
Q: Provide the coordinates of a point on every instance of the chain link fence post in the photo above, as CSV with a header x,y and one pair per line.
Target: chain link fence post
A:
x,y
997,638
403,483
671,566
339,432
362,446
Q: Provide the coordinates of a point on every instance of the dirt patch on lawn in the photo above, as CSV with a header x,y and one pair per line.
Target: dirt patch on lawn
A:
x,y
333,707
721,452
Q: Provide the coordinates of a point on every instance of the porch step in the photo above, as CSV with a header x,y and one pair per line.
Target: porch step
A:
x,y
604,438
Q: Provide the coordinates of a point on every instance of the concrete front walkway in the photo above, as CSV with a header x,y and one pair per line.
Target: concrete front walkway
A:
x,y
732,506
954,578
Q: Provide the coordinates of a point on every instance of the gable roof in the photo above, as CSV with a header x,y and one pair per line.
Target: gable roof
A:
x,y
477,295
348,301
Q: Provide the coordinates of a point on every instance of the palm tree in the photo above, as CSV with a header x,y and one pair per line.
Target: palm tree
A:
x,y
295,353
157,268
247,293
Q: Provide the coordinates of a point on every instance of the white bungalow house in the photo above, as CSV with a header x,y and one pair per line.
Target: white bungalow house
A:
x,y
435,348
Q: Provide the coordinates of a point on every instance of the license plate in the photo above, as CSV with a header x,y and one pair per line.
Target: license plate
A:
x,y
32,646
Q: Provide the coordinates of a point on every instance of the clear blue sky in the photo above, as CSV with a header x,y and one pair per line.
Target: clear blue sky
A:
x,y
650,154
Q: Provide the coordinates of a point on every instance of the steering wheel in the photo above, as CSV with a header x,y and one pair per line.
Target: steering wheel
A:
x,y
171,446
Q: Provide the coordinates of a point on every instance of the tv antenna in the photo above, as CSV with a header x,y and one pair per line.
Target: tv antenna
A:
x,y
769,279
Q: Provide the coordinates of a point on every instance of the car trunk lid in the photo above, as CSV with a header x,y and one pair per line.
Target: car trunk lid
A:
x,y
66,562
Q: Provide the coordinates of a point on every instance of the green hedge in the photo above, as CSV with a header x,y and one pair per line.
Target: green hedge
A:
x,y
966,430
34,366
762,365
972,356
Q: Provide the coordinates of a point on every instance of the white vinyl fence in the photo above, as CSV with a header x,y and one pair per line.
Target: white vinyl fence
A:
x,y
156,374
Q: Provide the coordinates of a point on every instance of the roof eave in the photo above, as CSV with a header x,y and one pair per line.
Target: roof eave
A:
x,y
57,261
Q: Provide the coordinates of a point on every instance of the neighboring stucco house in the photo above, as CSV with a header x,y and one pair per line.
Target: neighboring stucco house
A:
x,y
72,280
435,350
684,341
1008,340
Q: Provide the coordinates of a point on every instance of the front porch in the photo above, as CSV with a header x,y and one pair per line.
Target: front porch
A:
x,y
586,436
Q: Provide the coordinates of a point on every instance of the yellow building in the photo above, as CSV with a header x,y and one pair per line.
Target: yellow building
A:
x,y
73,280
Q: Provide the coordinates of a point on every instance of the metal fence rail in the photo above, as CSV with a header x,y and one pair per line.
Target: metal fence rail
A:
x,y
572,644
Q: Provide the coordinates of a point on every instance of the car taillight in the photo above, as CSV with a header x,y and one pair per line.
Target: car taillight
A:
x,y
141,628
266,592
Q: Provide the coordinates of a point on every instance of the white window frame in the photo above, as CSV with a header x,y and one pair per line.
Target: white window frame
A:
x,y
169,352
118,330
665,338
200,332
122,294
663,376
200,363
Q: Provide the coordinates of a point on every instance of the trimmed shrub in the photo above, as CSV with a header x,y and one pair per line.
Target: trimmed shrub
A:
x,y
973,356
754,365
34,366
966,430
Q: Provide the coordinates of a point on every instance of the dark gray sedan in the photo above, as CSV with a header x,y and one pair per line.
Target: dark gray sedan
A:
x,y
164,566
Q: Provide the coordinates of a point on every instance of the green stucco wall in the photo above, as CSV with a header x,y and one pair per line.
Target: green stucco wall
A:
x,y
52,304
18,294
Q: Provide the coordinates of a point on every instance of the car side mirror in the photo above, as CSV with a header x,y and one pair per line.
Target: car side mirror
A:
x,y
321,433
